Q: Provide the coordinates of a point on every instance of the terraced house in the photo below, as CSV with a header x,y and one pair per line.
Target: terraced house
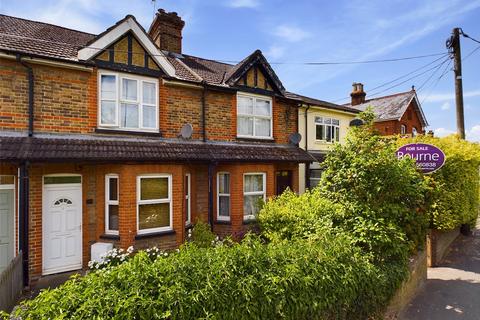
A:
x,y
122,138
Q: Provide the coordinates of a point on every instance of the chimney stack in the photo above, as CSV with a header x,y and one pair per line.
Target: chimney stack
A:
x,y
358,95
166,31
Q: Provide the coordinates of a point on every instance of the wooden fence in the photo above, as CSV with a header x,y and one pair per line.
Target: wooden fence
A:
x,y
11,284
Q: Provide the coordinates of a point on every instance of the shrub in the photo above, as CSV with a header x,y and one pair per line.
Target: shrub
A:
x,y
455,197
385,199
298,279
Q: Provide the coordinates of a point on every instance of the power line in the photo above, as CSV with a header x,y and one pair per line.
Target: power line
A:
x,y
411,78
467,36
431,75
445,71
470,53
400,77
234,61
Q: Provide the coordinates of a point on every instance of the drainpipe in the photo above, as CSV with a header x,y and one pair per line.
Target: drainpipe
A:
x,y
30,94
307,165
204,107
23,219
211,166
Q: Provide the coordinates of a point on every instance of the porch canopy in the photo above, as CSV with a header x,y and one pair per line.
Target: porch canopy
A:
x,y
63,148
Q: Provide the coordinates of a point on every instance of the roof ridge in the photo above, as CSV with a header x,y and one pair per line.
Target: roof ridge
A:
x,y
48,23
390,95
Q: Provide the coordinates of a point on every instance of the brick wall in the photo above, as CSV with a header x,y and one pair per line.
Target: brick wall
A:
x,y
64,99
410,119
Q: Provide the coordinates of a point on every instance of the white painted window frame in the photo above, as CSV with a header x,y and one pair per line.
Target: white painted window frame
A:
x,y
154,201
109,202
403,129
118,101
188,199
244,115
219,217
254,193
325,125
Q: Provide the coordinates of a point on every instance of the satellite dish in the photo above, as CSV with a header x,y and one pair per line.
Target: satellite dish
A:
x,y
295,138
356,123
186,131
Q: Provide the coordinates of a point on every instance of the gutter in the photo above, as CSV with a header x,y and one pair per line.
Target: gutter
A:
x,y
30,94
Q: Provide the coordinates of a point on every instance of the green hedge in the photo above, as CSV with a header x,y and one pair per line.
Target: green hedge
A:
x,y
455,197
301,279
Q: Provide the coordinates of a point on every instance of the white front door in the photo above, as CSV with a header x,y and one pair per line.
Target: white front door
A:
x,y
6,227
62,227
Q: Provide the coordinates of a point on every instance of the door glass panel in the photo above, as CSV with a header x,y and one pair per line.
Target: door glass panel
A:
x,y
62,180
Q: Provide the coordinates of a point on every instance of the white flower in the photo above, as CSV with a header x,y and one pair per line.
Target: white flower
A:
x,y
130,249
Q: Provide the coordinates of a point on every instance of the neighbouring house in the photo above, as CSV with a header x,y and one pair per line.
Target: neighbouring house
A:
x,y
122,138
399,113
321,125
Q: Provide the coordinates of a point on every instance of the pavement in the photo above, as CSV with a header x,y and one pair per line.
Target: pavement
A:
x,y
452,290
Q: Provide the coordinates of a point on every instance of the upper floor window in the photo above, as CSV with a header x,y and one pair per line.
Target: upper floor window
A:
x,y
128,102
403,129
254,116
327,129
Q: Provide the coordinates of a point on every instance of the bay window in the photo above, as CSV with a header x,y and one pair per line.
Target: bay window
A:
x,y
254,194
254,116
327,129
128,102
223,196
111,204
154,203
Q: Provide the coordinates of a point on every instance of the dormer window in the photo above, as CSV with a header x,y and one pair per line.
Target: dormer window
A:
x,y
254,116
128,102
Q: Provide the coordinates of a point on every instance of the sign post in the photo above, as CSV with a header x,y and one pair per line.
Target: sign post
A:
x,y
428,157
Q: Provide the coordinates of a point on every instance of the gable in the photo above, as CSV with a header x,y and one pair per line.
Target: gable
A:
x,y
254,72
127,54
255,78
119,39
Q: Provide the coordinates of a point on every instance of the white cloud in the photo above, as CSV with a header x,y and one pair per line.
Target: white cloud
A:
x,y
291,33
474,133
243,3
443,132
438,97
445,106
275,52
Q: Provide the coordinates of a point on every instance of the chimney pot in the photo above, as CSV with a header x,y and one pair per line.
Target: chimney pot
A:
x,y
166,31
358,95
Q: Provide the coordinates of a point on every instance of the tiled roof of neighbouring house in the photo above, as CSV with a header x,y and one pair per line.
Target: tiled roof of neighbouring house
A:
x,y
391,107
56,148
40,39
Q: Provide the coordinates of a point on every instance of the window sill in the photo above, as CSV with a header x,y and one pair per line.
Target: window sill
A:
x,y
256,139
110,236
249,221
129,132
154,234
224,222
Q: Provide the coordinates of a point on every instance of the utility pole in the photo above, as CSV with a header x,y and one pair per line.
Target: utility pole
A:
x,y
453,44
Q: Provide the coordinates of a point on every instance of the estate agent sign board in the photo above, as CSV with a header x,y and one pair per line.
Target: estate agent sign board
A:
x,y
428,157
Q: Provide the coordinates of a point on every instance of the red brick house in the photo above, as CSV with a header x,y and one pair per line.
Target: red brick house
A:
x,y
122,138
399,113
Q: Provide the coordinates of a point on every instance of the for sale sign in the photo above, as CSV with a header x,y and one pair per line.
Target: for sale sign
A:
x,y
428,157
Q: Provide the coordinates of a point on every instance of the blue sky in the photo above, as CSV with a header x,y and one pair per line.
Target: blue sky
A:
x,y
311,31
